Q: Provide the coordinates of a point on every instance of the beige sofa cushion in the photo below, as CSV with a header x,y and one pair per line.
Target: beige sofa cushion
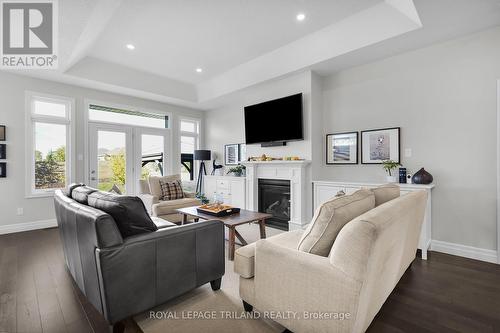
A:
x,y
329,219
244,258
386,192
154,183
169,207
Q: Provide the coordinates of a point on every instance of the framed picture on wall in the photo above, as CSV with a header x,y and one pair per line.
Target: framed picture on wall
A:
x,y
3,169
342,148
3,151
2,133
380,145
232,154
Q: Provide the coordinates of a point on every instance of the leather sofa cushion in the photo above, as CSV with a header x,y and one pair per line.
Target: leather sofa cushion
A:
x,y
128,212
81,194
329,219
386,192
154,183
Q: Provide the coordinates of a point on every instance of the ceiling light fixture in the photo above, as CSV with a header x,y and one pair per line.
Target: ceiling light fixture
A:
x,y
199,70
130,47
301,17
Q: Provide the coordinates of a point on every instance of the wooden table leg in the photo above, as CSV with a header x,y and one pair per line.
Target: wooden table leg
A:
x,y
241,239
232,233
262,228
184,219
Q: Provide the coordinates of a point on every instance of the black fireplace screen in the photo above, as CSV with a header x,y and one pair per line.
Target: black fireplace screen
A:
x,y
274,198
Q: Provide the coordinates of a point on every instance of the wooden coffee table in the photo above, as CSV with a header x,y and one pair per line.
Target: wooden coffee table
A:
x,y
231,222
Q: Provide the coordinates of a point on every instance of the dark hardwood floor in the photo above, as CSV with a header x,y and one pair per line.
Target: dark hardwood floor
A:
x,y
443,294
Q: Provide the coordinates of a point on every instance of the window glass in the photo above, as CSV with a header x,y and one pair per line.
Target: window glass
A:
x,y
52,109
189,126
152,158
50,155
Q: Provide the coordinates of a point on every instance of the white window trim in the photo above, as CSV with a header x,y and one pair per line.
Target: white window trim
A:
x,y
30,191
196,136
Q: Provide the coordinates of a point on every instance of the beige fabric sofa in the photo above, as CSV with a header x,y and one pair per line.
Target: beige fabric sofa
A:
x,y
151,193
366,261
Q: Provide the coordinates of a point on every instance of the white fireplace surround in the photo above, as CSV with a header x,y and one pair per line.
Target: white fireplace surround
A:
x,y
295,172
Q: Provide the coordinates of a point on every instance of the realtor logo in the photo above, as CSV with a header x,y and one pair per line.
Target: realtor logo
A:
x,y
29,34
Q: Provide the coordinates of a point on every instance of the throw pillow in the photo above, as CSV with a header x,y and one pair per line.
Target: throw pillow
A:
x,y
384,193
329,219
129,212
154,183
81,194
171,190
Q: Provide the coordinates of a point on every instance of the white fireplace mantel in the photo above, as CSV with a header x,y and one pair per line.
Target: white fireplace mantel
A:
x,y
295,172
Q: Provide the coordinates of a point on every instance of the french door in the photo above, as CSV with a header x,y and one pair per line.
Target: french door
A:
x,y
122,155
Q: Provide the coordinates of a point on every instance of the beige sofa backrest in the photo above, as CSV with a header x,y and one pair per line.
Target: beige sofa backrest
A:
x,y
377,247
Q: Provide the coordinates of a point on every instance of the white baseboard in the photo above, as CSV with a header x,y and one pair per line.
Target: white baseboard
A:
x,y
464,251
27,226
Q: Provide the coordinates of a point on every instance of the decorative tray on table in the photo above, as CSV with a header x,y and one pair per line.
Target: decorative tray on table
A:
x,y
218,210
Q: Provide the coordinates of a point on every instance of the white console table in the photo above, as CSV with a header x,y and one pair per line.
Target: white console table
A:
x,y
232,189
325,190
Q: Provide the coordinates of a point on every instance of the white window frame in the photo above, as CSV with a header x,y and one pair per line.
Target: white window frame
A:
x,y
196,136
30,119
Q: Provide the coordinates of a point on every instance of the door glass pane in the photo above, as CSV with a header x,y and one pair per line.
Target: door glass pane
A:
x,y
152,159
50,156
112,161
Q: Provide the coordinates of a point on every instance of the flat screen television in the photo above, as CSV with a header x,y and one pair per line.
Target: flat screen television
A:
x,y
279,120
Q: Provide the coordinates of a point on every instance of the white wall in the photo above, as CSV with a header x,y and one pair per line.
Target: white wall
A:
x,y
444,99
12,110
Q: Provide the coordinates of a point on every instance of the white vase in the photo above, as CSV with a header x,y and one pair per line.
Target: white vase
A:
x,y
391,179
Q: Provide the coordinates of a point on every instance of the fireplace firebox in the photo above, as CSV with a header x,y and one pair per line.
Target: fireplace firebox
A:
x,y
274,198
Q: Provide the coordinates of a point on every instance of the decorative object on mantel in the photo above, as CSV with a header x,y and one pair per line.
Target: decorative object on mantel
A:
x,y
402,175
2,133
422,177
380,145
3,170
342,148
238,171
388,166
264,158
3,151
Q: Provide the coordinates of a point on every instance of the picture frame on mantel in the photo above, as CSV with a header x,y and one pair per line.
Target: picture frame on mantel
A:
x,y
342,148
380,145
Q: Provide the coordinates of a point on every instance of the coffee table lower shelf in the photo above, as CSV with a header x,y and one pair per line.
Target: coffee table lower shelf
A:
x,y
231,222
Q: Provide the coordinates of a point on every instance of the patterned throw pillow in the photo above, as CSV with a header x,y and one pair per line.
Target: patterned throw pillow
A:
x,y
171,190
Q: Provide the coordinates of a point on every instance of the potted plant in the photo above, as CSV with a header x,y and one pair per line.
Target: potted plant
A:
x,y
204,200
388,166
238,170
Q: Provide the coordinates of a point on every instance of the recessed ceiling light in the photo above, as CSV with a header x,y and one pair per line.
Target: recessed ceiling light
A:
x,y
130,46
199,70
301,17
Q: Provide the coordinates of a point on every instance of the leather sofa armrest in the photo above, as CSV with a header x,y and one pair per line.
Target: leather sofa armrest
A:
x,y
149,200
138,275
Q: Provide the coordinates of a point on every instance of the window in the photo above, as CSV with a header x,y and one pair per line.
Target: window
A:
x,y
48,150
189,129
127,117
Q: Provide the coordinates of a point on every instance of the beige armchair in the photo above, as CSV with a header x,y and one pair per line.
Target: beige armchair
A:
x,y
151,193
343,291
